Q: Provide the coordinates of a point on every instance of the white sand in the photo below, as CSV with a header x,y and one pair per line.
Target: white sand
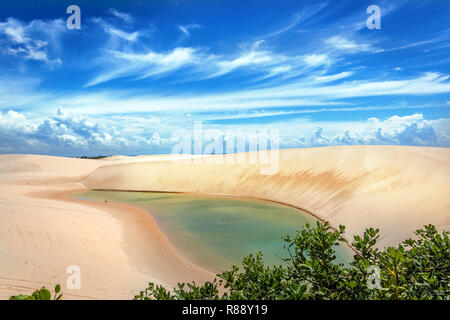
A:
x,y
120,248
398,189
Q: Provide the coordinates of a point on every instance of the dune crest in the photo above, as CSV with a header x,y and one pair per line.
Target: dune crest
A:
x,y
120,248
397,189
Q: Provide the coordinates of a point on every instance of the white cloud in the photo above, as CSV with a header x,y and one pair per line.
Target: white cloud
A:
x,y
121,15
31,41
315,60
133,36
334,77
299,17
145,65
396,130
67,133
341,43
250,59
186,28
59,130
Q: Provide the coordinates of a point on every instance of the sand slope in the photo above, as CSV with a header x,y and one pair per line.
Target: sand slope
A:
x,y
118,248
397,189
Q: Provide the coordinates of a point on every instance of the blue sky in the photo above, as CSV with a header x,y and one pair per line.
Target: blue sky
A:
x,y
138,70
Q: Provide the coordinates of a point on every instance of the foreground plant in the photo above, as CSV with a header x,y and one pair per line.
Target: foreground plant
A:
x,y
416,269
41,294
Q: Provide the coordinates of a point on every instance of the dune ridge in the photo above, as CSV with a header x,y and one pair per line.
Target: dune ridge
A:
x,y
120,248
397,189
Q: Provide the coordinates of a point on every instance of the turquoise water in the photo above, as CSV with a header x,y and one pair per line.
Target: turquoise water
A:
x,y
216,232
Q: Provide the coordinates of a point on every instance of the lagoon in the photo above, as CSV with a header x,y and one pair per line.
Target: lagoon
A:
x,y
216,232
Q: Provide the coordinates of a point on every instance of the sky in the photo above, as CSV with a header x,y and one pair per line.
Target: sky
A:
x,y
137,71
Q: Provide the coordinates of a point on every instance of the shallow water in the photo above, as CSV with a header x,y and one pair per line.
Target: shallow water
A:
x,y
216,232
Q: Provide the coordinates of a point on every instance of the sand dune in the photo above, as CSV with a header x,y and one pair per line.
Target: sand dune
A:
x,y
120,248
397,189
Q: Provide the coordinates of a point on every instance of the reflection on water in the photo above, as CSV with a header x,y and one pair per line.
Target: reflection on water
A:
x,y
216,232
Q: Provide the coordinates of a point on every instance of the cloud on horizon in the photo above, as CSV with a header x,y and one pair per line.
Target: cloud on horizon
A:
x,y
69,134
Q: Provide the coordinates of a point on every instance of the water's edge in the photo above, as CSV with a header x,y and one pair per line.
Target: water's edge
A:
x,y
350,247
166,211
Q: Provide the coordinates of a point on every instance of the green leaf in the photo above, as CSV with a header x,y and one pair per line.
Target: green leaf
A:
x,y
44,294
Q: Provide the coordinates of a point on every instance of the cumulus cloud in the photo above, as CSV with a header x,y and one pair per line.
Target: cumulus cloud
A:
x,y
70,134
60,129
407,130
66,133
58,132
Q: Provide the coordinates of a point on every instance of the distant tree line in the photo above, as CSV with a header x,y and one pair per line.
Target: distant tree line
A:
x,y
97,157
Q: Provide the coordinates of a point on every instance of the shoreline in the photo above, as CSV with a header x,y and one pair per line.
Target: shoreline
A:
x,y
119,210
358,187
120,248
347,241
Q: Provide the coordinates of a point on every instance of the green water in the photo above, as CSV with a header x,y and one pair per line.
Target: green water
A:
x,y
216,232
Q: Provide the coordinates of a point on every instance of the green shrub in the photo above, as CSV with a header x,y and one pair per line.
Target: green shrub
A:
x,y
415,269
41,294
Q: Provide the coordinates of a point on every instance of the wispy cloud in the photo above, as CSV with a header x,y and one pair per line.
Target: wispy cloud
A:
x,y
315,60
133,36
145,65
333,77
298,18
254,58
341,43
121,15
186,29
308,93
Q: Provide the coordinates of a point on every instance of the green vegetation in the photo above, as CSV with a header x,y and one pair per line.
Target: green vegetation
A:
x,y
41,294
416,269
94,158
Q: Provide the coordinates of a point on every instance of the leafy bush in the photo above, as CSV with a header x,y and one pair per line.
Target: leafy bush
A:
x,y
41,294
415,269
